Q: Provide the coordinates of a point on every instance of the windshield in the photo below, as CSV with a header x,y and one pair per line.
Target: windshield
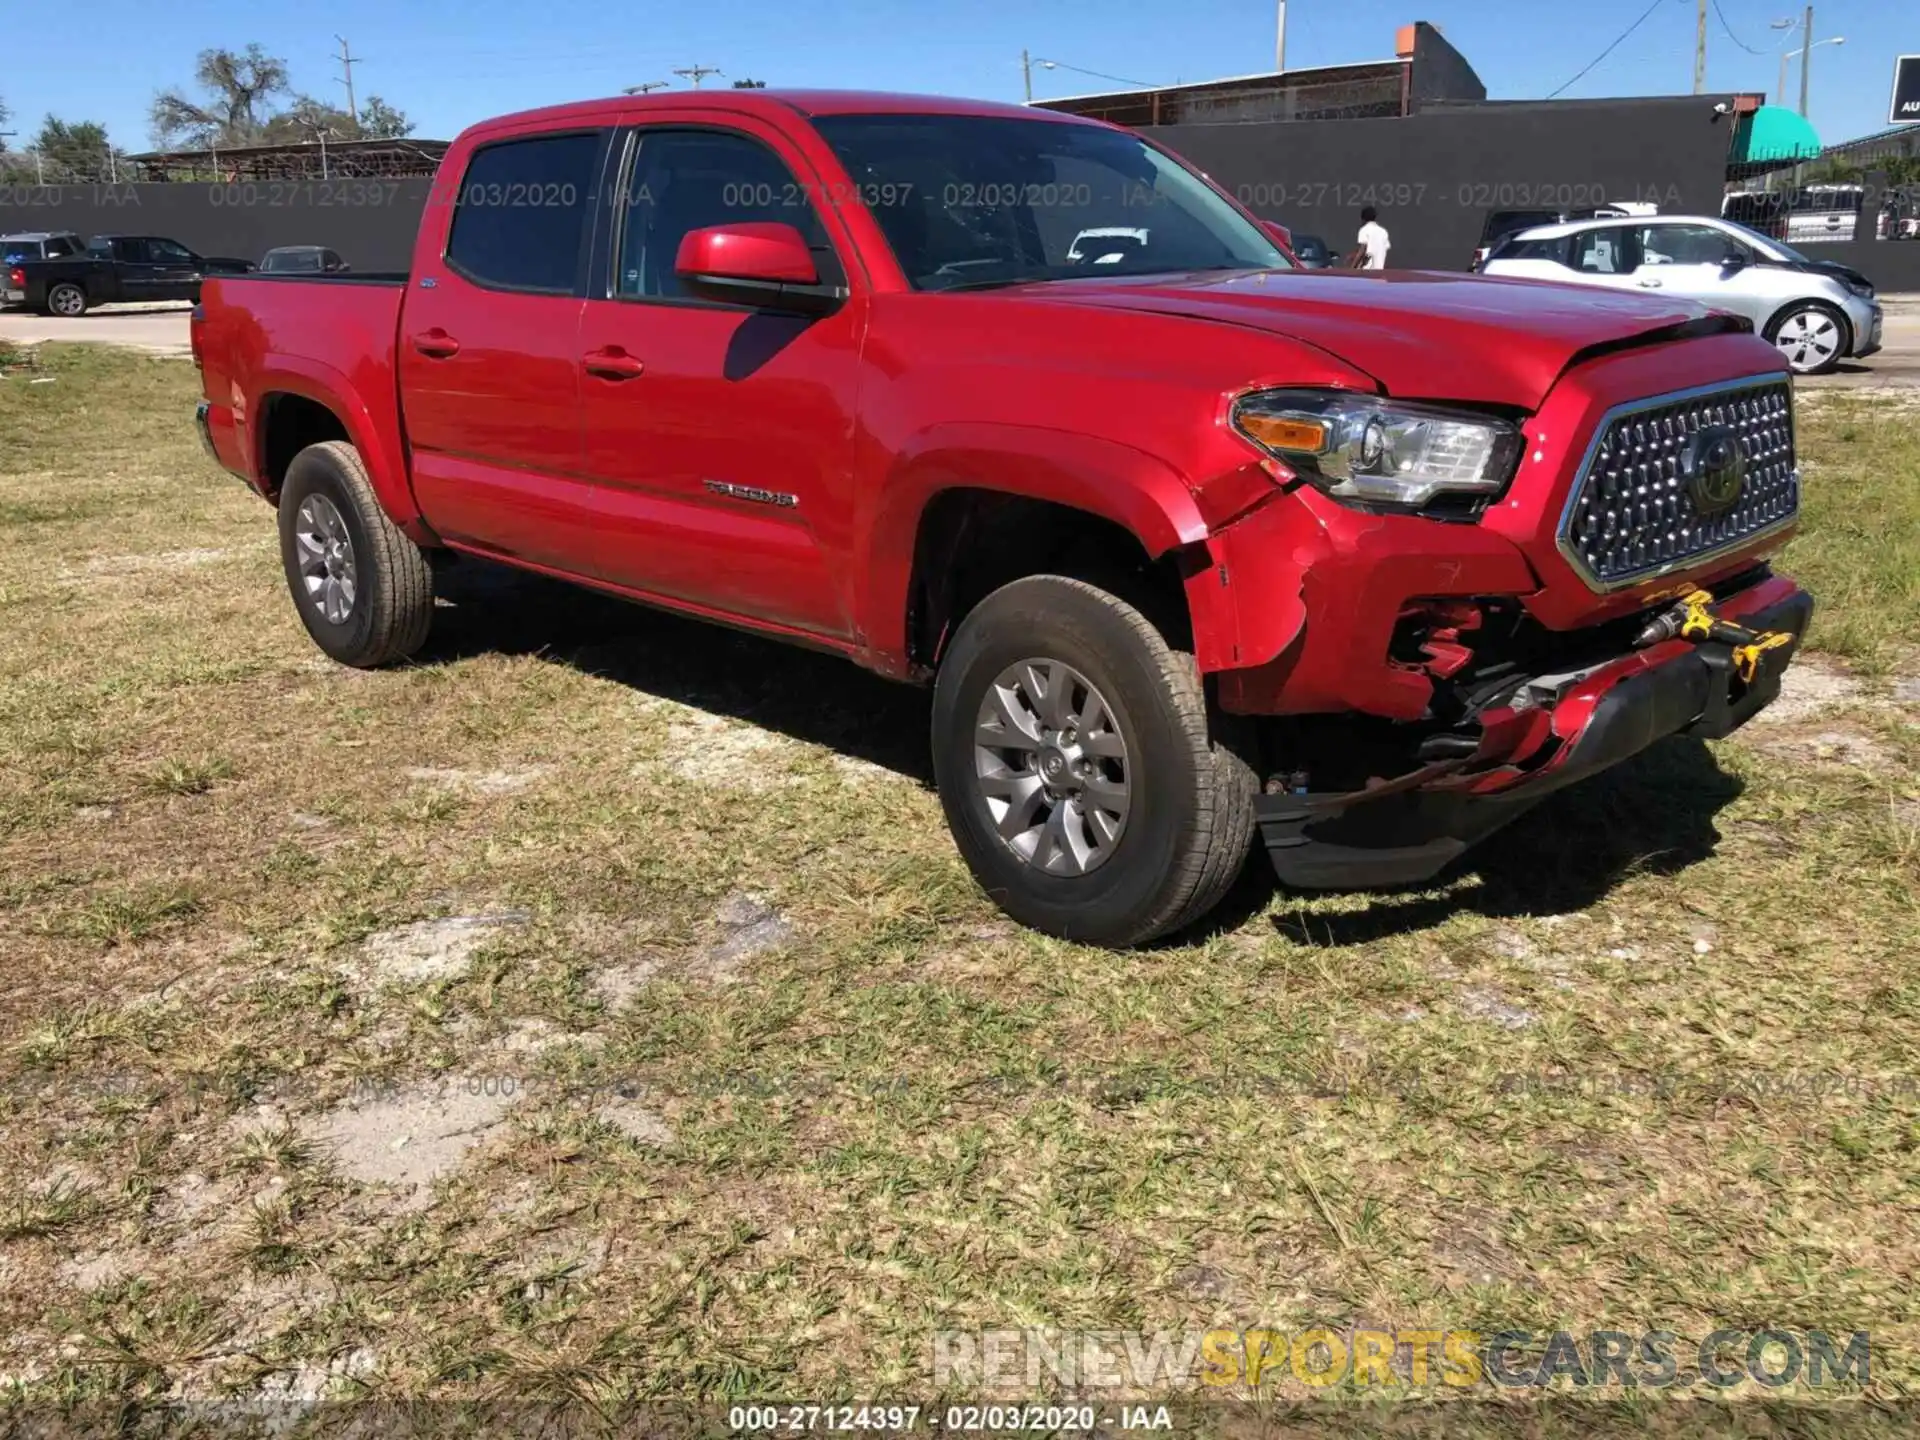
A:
x,y
976,201
1766,244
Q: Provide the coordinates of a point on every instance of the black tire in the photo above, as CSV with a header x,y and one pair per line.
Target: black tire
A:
x,y
77,306
1842,349
1187,834
392,605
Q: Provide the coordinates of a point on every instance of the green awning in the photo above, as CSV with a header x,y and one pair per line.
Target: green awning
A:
x,y
1774,134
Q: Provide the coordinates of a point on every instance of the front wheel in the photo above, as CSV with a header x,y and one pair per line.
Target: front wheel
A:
x,y
1811,336
1073,753
67,300
362,588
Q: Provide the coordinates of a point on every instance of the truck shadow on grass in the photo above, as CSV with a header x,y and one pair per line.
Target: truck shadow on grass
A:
x,y
1655,814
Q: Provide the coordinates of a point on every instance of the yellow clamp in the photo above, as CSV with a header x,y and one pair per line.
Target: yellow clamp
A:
x,y
1746,658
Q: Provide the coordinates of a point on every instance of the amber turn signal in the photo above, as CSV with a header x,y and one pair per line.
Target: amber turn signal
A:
x,y
1287,433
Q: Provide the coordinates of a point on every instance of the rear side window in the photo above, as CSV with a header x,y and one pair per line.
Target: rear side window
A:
x,y
522,209
1514,248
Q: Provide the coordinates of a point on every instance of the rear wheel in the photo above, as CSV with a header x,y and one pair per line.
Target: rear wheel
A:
x,y
363,589
1811,336
1072,748
68,300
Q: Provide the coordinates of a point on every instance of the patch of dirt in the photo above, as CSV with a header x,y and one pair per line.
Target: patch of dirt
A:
x,y
750,927
1832,747
617,986
710,750
310,1380
1812,687
433,949
91,1269
147,564
1470,1247
483,783
1906,691
1485,1003
411,1138
639,1123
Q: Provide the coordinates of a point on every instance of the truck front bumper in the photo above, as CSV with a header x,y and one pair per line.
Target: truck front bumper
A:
x,y
1552,732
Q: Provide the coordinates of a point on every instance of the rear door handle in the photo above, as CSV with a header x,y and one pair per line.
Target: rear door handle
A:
x,y
1651,284
436,343
610,362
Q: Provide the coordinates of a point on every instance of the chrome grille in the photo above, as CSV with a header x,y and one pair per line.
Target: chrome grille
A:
x,y
1632,516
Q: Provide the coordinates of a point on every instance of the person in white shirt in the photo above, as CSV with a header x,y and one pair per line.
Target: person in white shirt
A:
x,y
1374,243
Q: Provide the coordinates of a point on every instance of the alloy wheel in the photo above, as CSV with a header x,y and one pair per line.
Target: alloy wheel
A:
x,y
325,552
1052,767
1808,338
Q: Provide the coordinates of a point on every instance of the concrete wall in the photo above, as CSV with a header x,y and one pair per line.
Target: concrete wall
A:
x,y
1434,176
370,222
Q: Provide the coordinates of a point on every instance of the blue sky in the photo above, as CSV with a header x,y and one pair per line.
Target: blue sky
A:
x,y
450,62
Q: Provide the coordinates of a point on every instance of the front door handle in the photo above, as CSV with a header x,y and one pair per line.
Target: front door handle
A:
x,y
1651,284
436,343
610,362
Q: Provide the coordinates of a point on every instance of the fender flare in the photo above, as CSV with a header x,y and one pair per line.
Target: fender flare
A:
x,y
1131,488
376,438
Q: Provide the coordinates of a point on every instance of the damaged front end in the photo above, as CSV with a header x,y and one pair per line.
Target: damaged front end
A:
x,y
1517,713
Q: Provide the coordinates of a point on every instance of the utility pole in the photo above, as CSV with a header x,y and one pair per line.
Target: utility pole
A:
x,y
347,61
697,73
1806,59
1700,52
1026,75
1280,38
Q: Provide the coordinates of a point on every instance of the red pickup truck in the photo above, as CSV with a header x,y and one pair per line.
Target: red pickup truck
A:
x,y
1190,544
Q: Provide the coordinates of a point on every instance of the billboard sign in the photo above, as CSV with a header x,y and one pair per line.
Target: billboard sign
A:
x,y
1906,91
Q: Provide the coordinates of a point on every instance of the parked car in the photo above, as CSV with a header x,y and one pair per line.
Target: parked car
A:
x,y
115,269
1189,546
1313,253
1500,224
1815,312
303,260
31,245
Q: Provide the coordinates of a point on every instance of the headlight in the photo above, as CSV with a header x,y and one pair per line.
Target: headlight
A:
x,y
1384,452
1857,287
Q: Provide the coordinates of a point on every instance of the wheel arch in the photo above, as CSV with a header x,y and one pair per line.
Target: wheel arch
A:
x,y
298,397
1801,302
957,480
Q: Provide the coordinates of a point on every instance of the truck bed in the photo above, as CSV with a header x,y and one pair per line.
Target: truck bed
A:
x,y
304,335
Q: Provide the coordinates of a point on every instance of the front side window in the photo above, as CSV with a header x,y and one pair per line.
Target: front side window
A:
x,y
1604,252
691,179
1514,248
1685,245
169,252
982,200
522,210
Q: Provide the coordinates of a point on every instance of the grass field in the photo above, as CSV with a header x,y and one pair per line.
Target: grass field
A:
x,y
597,1009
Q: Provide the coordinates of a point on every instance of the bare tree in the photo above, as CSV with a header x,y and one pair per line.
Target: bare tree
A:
x,y
237,86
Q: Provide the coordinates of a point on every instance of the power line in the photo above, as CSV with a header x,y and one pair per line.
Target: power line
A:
x,y
1645,15
1096,74
1729,29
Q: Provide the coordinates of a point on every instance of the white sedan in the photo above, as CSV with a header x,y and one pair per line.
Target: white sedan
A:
x,y
1815,312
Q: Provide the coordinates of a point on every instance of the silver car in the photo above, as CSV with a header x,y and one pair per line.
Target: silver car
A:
x,y
1815,312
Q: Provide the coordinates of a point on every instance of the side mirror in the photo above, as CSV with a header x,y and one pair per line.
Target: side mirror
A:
x,y
1736,260
1276,231
763,263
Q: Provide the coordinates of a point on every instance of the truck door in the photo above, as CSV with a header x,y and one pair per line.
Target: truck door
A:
x,y
719,436
173,271
489,352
